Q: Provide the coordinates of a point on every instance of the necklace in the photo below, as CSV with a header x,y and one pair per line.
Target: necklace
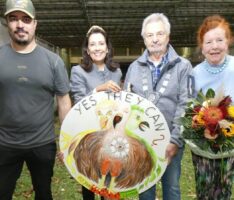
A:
x,y
215,69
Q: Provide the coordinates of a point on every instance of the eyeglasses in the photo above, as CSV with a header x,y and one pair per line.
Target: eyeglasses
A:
x,y
24,19
150,36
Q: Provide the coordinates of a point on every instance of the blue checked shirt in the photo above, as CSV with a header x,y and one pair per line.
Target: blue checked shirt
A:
x,y
156,70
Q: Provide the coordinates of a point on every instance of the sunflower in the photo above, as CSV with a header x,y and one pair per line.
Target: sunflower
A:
x,y
230,111
198,120
227,128
229,131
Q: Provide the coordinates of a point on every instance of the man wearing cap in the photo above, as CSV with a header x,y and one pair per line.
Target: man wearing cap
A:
x,y
30,77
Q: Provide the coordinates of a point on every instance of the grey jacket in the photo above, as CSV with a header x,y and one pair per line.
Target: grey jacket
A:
x,y
172,98
83,83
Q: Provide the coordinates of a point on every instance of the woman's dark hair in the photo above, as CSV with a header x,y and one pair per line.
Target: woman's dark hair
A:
x,y
87,63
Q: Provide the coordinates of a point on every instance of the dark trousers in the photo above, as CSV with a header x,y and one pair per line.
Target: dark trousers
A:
x,y
40,162
88,195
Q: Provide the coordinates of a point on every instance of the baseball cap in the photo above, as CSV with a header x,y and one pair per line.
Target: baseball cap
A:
x,y
25,6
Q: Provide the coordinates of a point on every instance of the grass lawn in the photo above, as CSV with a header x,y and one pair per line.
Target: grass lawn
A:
x,y
66,188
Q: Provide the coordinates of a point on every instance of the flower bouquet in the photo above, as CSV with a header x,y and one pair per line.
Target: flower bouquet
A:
x,y
208,125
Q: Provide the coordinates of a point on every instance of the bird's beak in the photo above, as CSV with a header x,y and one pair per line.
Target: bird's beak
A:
x,y
144,125
103,122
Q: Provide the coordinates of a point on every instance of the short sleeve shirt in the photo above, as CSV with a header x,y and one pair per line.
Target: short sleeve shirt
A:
x,y
28,84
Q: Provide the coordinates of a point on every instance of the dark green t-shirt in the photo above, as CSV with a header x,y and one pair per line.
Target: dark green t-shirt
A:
x,y
28,83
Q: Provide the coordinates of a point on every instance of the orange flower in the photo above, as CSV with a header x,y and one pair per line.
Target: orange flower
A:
x,y
212,115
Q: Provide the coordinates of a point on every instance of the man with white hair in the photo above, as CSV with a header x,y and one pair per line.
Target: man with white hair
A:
x,y
161,76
